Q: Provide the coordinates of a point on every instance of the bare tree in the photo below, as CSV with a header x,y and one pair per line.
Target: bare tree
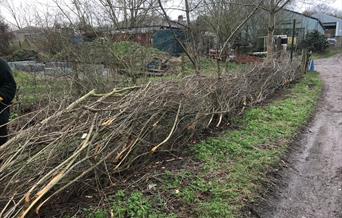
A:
x,y
324,8
190,47
127,13
216,12
272,7
22,15
5,37
241,24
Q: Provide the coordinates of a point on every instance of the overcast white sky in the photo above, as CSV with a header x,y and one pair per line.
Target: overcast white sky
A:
x,y
43,6
31,7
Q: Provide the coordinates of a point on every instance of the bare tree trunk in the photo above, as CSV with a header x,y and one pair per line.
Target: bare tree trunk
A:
x,y
187,10
274,7
190,51
190,32
239,27
270,34
125,13
112,12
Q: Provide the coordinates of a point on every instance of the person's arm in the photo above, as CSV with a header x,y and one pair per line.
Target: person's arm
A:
x,y
8,86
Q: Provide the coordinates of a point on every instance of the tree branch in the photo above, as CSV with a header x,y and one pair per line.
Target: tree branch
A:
x,y
239,27
170,25
282,6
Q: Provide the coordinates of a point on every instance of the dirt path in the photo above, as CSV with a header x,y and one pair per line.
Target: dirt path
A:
x,y
314,181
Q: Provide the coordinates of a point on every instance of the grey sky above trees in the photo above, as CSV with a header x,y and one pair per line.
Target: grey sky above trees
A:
x,y
34,8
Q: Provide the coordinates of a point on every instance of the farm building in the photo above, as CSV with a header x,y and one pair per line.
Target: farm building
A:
x,y
160,37
284,28
304,24
142,35
332,25
159,34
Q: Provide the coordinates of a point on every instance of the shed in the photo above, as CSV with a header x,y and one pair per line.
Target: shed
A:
x,y
304,24
164,38
284,27
333,25
167,40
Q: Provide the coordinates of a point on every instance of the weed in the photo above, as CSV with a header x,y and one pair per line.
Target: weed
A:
x,y
93,213
135,205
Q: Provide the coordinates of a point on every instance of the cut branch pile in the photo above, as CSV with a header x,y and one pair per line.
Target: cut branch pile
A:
x,y
106,134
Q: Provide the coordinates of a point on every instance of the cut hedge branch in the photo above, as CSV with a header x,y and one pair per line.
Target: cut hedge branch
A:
x,y
102,135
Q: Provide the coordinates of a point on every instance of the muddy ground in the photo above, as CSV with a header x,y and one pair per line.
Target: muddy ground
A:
x,y
312,183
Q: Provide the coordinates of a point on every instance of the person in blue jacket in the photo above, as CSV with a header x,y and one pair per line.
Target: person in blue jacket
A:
x,y
8,89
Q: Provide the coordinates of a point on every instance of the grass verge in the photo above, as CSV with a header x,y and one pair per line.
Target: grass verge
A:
x,y
328,53
35,89
232,168
246,156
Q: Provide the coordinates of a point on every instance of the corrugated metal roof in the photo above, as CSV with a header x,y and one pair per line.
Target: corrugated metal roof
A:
x,y
329,20
324,18
307,16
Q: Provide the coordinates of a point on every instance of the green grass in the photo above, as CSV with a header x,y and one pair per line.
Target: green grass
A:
x,y
235,165
246,155
34,89
208,66
124,205
328,53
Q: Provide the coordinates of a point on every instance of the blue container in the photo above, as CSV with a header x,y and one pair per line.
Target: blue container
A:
x,y
312,66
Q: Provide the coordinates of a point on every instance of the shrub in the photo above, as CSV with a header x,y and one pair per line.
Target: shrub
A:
x,y
24,55
316,42
5,37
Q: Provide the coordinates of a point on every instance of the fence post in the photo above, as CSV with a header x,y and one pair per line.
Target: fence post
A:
x,y
305,60
293,36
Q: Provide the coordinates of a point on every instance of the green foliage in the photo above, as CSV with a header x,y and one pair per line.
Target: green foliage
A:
x,y
24,55
126,58
315,42
134,57
127,49
215,208
330,52
34,89
108,52
134,206
21,77
138,206
98,214
208,66
5,37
